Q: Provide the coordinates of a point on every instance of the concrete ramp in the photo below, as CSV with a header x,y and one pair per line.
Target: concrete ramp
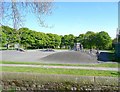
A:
x,y
70,57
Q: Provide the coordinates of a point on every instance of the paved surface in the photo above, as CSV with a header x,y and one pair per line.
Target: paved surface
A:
x,y
63,67
58,56
27,56
70,57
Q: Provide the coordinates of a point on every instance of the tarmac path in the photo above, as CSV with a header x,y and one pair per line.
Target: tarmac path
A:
x,y
62,67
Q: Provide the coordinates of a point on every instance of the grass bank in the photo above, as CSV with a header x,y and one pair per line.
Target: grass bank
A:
x,y
61,71
19,81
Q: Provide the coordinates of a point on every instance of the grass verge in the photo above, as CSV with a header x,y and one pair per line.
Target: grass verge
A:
x,y
110,65
61,71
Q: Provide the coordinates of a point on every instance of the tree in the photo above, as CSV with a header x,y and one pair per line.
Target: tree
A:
x,y
40,39
15,12
90,39
103,40
26,38
114,41
71,40
3,38
54,40
80,39
68,40
10,36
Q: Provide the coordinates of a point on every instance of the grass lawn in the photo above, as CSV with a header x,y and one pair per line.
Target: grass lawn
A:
x,y
61,71
115,65
5,48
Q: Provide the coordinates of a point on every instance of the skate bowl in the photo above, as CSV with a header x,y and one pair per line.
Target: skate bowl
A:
x,y
70,57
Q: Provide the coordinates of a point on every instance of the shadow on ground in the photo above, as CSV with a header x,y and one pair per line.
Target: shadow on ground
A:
x,y
106,56
48,50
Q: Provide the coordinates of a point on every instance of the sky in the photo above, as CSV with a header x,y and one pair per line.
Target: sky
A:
x,y
78,18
